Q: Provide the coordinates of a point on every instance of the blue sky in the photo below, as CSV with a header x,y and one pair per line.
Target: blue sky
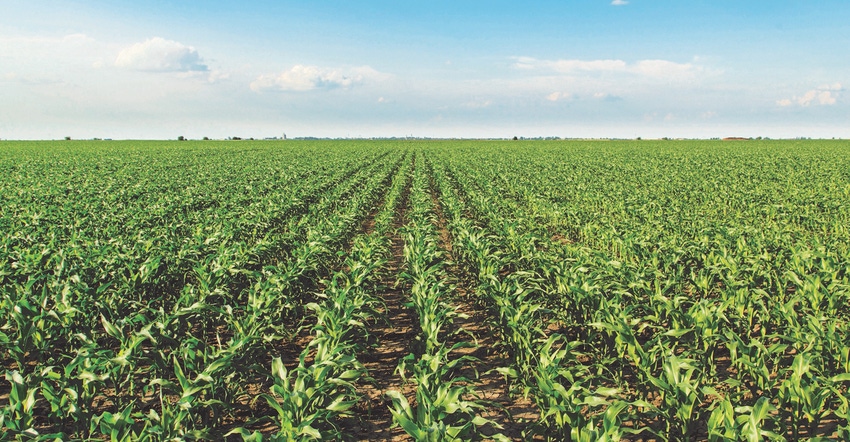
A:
x,y
595,68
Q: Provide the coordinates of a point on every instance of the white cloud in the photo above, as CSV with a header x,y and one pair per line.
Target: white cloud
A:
x,y
825,95
820,97
569,66
160,55
663,68
660,69
619,2
305,78
559,96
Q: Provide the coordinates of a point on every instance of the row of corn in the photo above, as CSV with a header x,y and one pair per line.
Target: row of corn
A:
x,y
146,353
444,407
708,341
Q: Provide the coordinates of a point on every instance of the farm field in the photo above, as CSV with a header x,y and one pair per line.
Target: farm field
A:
x,y
425,290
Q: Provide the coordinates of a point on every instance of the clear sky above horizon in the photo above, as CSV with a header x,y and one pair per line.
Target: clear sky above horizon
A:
x,y
159,69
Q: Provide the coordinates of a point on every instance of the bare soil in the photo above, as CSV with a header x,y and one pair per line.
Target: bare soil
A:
x,y
511,412
391,337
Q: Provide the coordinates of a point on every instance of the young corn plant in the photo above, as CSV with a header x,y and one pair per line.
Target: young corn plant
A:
x,y
308,401
752,420
520,320
755,360
18,415
117,426
843,409
441,412
721,425
682,391
570,409
804,397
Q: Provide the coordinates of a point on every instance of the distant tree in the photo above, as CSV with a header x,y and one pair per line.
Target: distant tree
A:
x,y
180,138
67,138
515,138
206,138
638,138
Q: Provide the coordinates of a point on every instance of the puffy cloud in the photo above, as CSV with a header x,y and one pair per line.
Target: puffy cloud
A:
x,y
619,2
305,78
825,95
821,97
160,55
645,68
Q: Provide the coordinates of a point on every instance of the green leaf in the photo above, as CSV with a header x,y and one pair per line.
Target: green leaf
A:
x,y
309,431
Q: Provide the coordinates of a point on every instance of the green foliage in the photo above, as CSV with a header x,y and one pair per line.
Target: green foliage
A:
x,y
675,290
706,282
442,410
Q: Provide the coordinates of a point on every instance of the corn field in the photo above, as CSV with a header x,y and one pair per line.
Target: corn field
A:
x,y
241,290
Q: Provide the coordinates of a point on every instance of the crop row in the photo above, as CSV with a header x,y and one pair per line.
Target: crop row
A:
x,y
168,338
310,400
442,409
673,291
691,344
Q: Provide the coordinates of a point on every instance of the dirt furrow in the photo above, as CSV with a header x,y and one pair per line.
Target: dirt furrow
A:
x,y
511,412
392,336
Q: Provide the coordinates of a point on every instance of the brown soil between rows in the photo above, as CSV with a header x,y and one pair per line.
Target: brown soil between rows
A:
x,y
511,413
503,406
392,335
373,420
